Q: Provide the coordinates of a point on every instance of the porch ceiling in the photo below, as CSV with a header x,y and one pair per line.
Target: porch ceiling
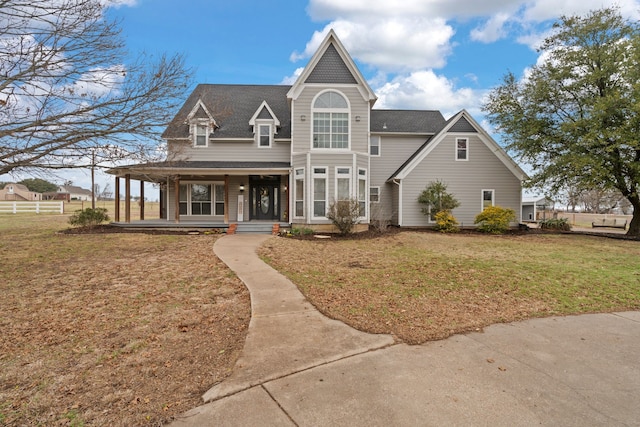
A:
x,y
157,172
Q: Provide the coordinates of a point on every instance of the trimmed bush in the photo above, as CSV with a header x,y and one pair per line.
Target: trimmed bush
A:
x,y
495,219
89,217
561,224
446,222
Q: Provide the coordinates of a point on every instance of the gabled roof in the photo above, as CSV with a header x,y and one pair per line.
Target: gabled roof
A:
x,y
406,121
453,125
329,57
73,189
232,107
264,112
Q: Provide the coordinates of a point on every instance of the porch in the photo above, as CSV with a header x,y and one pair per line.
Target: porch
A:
x,y
208,195
255,227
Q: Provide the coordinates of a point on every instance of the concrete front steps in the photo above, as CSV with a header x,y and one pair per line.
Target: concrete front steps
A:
x,y
256,228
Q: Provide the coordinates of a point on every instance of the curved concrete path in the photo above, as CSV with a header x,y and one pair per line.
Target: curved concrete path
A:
x,y
300,369
286,333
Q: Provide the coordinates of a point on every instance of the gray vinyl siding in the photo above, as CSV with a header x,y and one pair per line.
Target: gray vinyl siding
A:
x,y
395,206
394,151
301,132
232,151
464,179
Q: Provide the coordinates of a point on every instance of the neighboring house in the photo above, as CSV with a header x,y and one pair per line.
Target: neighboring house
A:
x,y
285,153
72,192
18,192
533,207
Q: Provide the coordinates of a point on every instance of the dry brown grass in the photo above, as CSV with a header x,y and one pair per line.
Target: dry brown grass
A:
x,y
427,286
111,329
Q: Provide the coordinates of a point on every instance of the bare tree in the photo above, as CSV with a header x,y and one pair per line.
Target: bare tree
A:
x,y
68,89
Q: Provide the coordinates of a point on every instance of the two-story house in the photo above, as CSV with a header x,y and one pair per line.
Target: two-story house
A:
x,y
277,153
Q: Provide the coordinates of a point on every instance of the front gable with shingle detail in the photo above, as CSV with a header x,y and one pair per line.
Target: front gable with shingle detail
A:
x,y
332,65
331,68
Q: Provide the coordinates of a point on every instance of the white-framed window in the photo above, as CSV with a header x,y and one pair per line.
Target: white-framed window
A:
x,y
374,146
264,135
200,198
298,191
362,192
320,191
330,121
374,194
488,198
201,135
462,149
343,183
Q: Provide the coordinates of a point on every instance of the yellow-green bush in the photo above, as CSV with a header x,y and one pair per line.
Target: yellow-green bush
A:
x,y
446,222
495,219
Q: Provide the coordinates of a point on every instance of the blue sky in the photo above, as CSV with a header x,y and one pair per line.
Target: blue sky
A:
x,y
416,54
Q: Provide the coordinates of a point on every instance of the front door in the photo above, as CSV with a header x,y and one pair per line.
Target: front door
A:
x,y
264,200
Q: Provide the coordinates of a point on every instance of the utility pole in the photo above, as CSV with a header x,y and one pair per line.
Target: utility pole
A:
x,y
93,179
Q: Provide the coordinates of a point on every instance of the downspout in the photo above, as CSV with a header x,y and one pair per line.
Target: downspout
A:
x,y
399,184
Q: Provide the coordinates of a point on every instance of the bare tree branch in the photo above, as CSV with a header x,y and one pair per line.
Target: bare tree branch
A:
x,y
65,85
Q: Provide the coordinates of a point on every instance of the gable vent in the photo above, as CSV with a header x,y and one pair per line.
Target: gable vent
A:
x,y
331,69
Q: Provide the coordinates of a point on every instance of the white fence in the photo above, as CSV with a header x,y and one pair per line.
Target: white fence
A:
x,y
31,207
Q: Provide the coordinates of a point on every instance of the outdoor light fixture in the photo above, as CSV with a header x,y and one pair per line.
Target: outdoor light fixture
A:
x,y
357,118
241,188
303,117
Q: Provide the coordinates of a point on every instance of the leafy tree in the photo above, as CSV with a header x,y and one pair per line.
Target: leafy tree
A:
x,y
38,185
67,85
575,117
437,199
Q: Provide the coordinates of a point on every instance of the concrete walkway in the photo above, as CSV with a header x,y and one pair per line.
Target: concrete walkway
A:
x,y
299,368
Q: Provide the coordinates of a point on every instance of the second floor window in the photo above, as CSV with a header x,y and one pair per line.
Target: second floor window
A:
x,y
264,137
201,136
462,149
331,121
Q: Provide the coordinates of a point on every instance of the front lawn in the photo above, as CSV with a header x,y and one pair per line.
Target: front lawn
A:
x,y
111,329
424,286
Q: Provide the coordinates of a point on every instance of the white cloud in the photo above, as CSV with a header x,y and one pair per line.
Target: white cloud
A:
x,y
390,44
290,80
425,90
494,29
403,42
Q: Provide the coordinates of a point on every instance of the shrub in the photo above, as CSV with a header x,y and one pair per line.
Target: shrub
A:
x,y
295,231
555,224
436,199
446,222
495,219
89,217
344,214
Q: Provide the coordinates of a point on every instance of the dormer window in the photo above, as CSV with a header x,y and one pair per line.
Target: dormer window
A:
x,y
264,136
201,124
201,135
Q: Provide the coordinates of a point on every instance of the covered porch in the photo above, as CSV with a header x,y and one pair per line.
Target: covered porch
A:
x,y
206,194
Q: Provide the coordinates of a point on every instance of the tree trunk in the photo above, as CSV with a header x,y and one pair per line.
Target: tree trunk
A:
x,y
634,226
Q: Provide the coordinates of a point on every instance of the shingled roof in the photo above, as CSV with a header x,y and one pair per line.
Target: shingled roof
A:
x,y
232,106
406,121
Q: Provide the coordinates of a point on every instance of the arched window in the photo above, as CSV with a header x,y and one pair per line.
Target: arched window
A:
x,y
331,121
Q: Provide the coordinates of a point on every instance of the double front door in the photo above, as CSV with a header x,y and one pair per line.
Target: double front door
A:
x,y
265,203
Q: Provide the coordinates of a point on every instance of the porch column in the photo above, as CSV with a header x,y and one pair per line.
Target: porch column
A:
x,y
226,199
116,213
141,200
176,184
127,195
